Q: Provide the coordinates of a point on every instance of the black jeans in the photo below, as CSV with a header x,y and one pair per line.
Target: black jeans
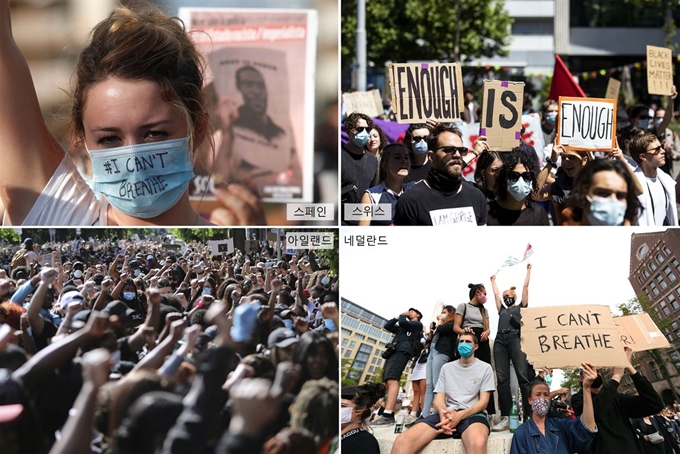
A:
x,y
506,347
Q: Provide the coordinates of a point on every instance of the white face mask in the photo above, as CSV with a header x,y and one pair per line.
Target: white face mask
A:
x,y
346,414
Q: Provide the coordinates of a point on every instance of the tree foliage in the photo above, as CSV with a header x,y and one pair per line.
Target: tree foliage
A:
x,y
399,31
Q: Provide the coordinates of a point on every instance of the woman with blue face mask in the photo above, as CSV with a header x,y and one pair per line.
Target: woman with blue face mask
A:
x,y
139,113
515,183
604,194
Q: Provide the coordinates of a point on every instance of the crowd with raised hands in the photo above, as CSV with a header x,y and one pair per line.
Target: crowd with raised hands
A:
x,y
421,175
142,349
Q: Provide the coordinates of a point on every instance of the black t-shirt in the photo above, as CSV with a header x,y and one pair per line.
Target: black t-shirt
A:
x,y
359,441
358,174
419,205
418,173
561,187
533,214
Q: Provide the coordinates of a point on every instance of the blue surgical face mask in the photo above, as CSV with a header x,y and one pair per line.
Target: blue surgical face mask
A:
x,y
143,180
643,124
420,147
361,138
288,323
551,117
330,324
606,211
207,290
325,280
520,189
129,295
465,349
138,272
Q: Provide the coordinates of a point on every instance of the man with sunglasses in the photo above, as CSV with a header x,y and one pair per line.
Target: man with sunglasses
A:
x,y
444,197
658,188
463,391
359,166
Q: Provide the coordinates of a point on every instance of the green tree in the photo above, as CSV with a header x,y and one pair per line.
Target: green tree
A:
x,y
347,371
398,30
637,305
571,380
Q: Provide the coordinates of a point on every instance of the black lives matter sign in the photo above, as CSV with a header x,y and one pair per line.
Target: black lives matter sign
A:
x,y
426,91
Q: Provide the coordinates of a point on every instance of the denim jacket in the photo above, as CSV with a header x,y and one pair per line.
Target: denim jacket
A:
x,y
562,436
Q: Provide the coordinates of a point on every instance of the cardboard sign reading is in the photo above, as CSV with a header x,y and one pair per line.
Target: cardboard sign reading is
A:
x,y
640,333
566,336
586,124
659,70
423,91
501,120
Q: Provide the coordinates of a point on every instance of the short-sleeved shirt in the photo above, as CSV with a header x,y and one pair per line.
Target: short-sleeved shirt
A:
x,y
422,205
462,383
473,316
533,214
381,194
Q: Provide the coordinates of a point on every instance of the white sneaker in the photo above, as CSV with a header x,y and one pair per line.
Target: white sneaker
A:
x,y
504,424
410,418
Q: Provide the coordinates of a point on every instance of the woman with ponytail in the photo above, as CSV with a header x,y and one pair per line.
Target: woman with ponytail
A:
x,y
507,347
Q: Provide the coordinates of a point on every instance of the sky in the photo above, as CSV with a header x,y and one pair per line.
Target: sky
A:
x,y
423,265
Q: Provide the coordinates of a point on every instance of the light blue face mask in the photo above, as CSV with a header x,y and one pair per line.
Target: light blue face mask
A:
x,y
520,189
606,211
465,349
207,290
143,180
551,117
420,147
330,324
361,138
129,295
288,323
643,124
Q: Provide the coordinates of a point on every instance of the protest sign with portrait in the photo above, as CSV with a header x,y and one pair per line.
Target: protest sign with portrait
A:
x,y
566,336
259,85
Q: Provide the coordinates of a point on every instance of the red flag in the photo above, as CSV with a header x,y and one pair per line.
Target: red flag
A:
x,y
563,83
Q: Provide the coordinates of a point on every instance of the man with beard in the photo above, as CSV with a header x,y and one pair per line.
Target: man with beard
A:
x,y
443,198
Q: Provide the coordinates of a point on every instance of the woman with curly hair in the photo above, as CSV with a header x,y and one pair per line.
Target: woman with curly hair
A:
x,y
355,411
603,194
515,183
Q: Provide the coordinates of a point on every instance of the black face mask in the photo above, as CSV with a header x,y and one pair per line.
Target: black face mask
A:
x,y
509,300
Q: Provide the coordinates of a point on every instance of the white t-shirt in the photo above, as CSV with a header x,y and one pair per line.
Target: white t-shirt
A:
x,y
463,383
659,199
66,200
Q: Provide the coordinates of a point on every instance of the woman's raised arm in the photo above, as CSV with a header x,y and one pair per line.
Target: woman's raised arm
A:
x,y
29,153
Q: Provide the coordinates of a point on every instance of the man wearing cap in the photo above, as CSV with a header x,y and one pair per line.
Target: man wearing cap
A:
x,y
407,329
613,410
281,344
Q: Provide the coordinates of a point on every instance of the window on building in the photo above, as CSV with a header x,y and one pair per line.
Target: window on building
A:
x,y
365,348
661,282
360,336
639,279
664,308
371,369
374,360
344,342
352,344
666,250
670,275
370,340
656,371
347,353
646,273
675,263
673,302
676,329
652,266
345,332
660,258
653,287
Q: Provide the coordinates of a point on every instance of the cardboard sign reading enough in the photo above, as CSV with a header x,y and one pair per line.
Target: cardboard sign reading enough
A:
x,y
424,91
501,120
587,124
566,336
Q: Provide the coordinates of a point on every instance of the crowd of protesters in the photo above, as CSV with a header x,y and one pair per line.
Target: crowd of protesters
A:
x,y
460,381
420,174
131,346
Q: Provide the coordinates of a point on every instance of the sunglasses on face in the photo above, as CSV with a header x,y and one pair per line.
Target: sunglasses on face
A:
x,y
419,138
514,176
644,117
452,150
655,150
362,129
